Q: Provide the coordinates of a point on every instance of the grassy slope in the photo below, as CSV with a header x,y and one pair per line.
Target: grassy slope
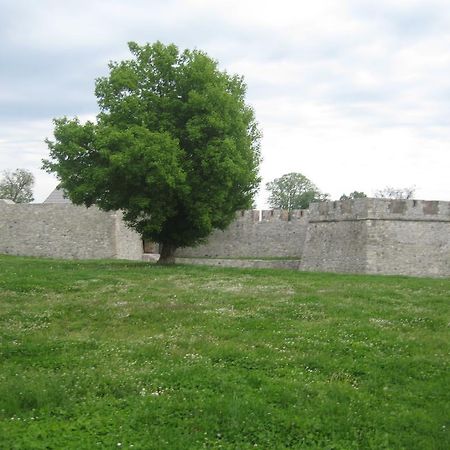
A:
x,y
128,355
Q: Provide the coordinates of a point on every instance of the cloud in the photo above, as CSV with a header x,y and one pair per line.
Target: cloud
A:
x,y
355,94
403,20
22,146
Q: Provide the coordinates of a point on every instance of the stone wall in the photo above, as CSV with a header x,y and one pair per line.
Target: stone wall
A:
x,y
128,244
65,231
336,237
335,247
407,237
256,234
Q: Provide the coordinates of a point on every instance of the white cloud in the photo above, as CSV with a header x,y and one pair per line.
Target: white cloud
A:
x,y
354,94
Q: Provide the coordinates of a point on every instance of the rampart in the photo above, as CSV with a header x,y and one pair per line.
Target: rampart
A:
x,y
409,237
256,234
378,236
65,231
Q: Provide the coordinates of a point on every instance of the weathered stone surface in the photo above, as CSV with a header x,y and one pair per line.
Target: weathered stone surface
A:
x,y
418,248
272,236
398,206
335,246
430,207
405,237
65,231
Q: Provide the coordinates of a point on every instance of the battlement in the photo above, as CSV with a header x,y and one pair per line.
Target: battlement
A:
x,y
283,215
271,215
380,209
357,209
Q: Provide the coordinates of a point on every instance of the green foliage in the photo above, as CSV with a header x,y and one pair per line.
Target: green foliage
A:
x,y
100,353
174,146
293,191
353,195
17,186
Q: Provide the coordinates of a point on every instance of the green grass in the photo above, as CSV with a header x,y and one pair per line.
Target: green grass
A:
x,y
109,354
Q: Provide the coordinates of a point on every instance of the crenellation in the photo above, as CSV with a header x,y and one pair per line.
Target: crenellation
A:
x,y
430,207
298,214
414,210
256,215
268,214
379,209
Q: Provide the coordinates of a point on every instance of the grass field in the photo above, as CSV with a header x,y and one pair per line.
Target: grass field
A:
x,y
109,354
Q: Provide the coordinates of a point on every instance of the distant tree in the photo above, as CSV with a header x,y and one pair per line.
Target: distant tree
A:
x,y
17,186
398,193
175,147
293,191
353,195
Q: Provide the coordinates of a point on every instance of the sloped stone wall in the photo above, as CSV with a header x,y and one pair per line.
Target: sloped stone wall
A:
x,y
409,237
406,237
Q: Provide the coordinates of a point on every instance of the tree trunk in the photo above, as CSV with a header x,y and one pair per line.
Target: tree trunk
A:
x,y
167,254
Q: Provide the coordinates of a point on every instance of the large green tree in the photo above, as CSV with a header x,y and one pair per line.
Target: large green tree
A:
x,y
17,186
293,191
174,146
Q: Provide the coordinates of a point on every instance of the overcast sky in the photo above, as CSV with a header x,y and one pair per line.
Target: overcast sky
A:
x,y
354,94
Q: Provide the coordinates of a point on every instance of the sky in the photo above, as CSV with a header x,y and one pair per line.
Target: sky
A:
x,y
354,94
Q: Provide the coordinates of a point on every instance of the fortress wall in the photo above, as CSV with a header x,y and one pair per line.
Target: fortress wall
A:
x,y
335,247
57,230
409,237
336,240
408,248
269,234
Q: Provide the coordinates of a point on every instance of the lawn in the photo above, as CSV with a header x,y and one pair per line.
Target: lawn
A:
x,y
113,354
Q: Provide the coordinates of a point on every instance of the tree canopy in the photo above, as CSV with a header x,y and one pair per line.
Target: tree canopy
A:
x,y
174,146
17,186
293,191
353,195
